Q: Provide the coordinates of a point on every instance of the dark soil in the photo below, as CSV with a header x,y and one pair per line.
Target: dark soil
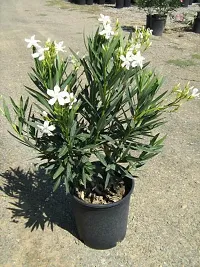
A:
x,y
99,195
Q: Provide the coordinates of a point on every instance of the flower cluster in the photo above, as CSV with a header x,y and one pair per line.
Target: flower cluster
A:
x,y
132,60
39,51
142,37
107,29
63,97
46,128
188,92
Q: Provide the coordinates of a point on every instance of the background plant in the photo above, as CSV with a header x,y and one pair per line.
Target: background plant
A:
x,y
161,7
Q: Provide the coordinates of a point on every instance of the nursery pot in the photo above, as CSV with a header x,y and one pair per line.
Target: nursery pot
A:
x,y
148,21
190,2
119,3
80,2
89,2
158,24
186,3
112,2
101,2
196,25
102,226
127,3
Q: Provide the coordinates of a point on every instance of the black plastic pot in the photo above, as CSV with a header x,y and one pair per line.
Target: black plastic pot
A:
x,y
148,21
196,25
89,2
101,2
80,2
119,3
127,3
112,2
186,3
190,2
102,226
158,24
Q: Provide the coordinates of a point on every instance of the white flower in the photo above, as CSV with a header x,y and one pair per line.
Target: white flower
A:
x,y
135,47
149,31
140,35
44,114
104,19
130,55
126,62
46,129
137,60
40,52
59,47
70,99
194,93
107,31
32,42
57,96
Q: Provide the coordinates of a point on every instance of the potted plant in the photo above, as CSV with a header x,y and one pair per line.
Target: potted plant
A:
x,y
186,3
157,11
89,2
119,3
190,19
196,25
148,7
95,123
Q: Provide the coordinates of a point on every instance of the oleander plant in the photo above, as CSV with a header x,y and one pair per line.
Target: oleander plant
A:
x,y
94,119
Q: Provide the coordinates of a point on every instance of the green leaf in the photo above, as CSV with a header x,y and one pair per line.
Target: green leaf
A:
x,y
108,138
63,151
100,157
111,167
59,171
66,185
84,177
6,112
40,97
107,180
56,185
73,130
127,174
69,171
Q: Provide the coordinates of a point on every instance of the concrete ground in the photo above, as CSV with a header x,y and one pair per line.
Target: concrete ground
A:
x,y
164,222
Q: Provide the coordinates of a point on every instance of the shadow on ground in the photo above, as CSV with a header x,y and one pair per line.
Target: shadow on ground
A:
x,y
35,200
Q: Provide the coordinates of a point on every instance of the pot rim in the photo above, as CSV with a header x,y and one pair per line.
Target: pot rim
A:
x,y
110,205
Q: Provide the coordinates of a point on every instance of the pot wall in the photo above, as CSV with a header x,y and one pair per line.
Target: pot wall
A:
x,y
196,25
102,226
158,24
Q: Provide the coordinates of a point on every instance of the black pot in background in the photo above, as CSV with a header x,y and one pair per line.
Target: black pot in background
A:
x,y
89,2
119,3
148,21
186,3
80,2
102,226
196,25
190,2
112,2
127,3
101,2
158,24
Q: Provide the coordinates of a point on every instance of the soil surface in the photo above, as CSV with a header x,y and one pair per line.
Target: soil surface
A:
x,y
37,227
100,195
